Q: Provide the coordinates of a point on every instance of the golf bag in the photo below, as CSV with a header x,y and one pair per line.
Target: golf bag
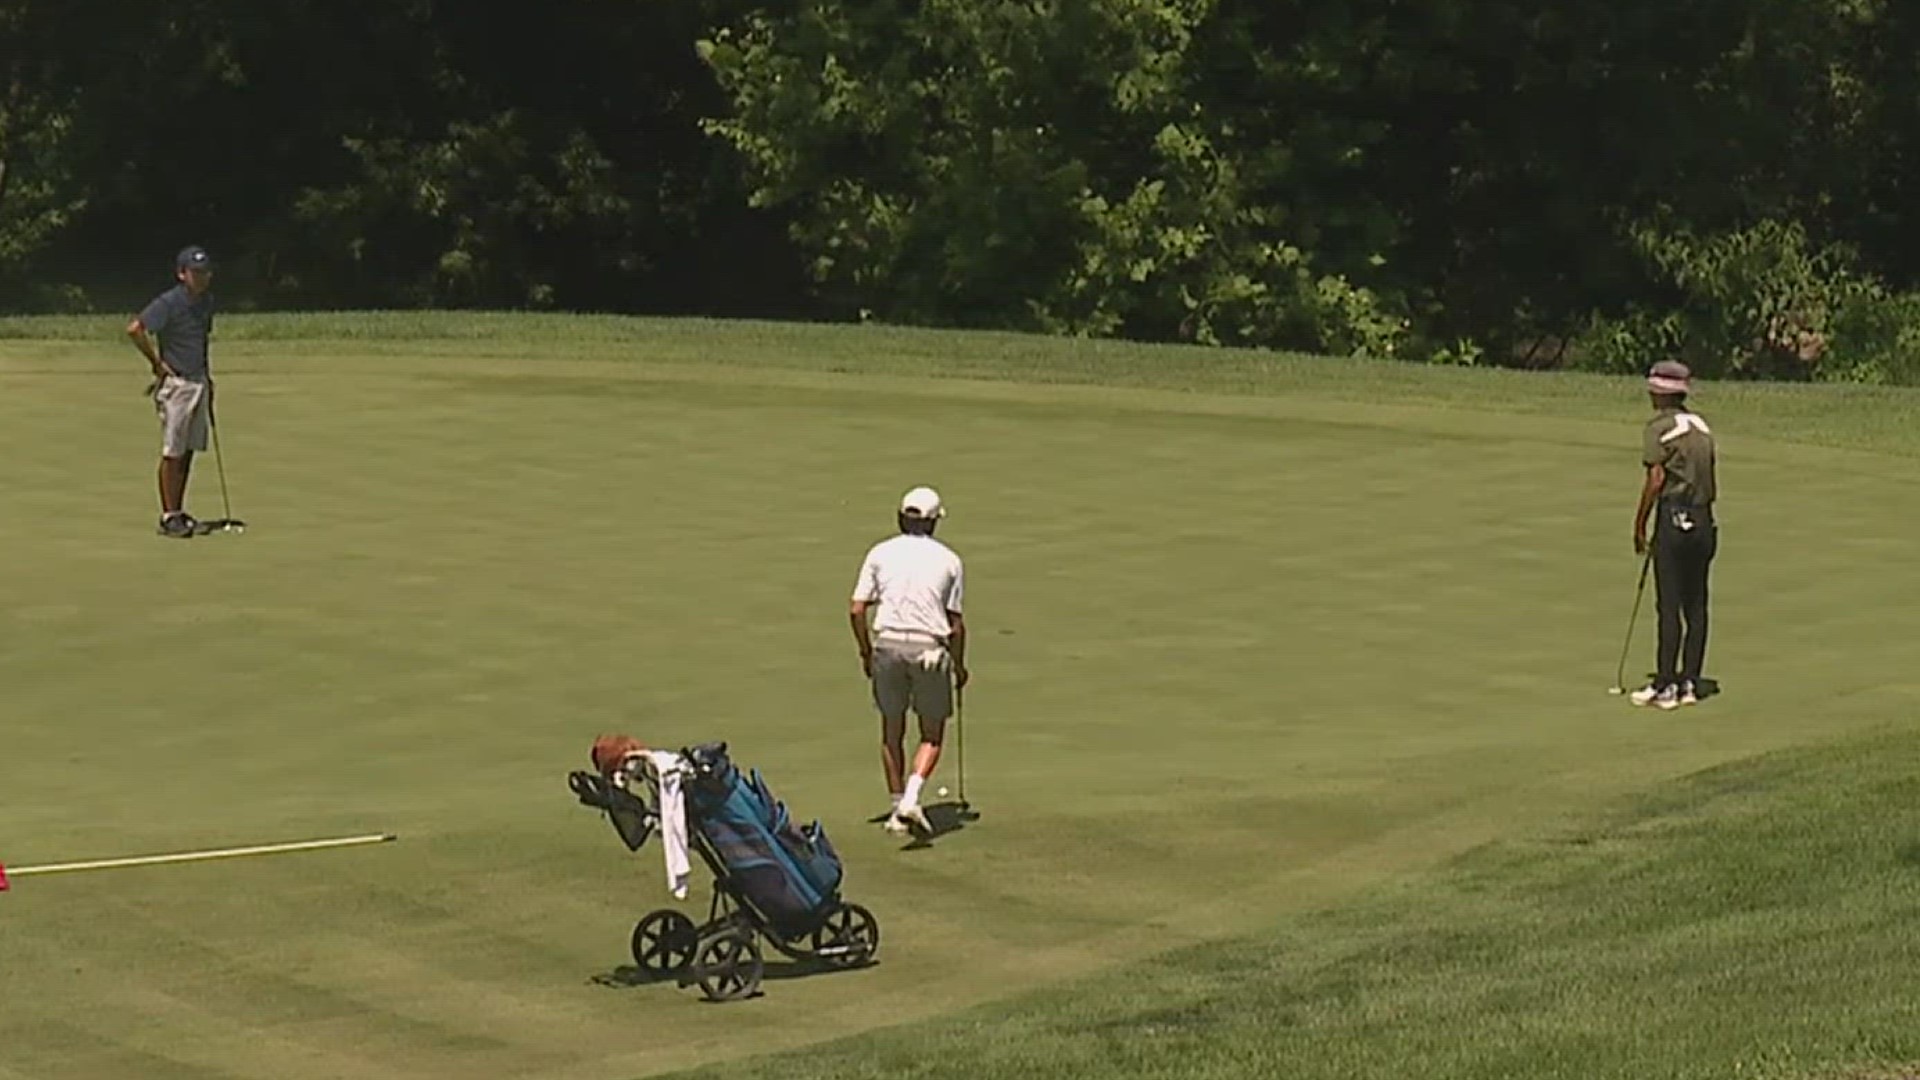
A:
x,y
773,880
791,874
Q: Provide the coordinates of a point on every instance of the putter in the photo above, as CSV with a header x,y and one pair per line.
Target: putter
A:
x,y
1640,590
960,747
228,523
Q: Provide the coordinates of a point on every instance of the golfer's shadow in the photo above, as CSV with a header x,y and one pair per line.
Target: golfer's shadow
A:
x,y
946,818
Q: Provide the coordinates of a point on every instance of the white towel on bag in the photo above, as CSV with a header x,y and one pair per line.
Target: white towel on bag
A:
x,y
671,770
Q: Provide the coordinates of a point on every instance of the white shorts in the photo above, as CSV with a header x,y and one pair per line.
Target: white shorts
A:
x,y
913,675
183,406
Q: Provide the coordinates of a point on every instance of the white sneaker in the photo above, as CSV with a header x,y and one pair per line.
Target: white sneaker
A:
x,y
914,816
896,824
1688,696
1663,697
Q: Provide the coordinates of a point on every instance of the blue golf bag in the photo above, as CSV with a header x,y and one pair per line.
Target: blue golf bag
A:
x,y
773,880
790,873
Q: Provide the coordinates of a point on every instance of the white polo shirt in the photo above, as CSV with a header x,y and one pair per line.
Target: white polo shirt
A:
x,y
916,580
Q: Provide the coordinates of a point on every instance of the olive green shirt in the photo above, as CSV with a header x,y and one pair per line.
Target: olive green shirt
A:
x,y
1681,442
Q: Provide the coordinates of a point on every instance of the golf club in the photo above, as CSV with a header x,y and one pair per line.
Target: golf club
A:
x,y
1639,591
960,747
227,523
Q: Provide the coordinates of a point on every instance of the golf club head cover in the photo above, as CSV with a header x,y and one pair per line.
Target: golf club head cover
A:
x,y
590,788
712,772
611,751
630,815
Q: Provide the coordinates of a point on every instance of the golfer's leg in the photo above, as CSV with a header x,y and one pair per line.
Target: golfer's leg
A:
x,y
1668,581
1700,563
182,405
927,758
172,484
173,445
932,680
893,755
892,695
177,481
199,419
933,704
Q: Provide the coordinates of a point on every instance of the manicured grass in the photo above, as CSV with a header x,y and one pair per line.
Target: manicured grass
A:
x,y
1255,637
1756,919
1885,420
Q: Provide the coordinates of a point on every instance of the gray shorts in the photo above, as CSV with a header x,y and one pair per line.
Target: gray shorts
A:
x,y
916,675
184,406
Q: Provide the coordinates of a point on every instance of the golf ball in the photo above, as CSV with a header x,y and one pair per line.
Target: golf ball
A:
x,y
943,793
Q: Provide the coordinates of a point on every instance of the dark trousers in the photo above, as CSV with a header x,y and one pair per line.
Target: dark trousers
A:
x,y
1681,559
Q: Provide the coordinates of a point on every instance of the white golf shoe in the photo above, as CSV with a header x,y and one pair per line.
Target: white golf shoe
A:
x,y
1660,697
913,817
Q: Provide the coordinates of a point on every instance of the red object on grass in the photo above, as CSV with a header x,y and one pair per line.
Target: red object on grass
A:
x,y
3,877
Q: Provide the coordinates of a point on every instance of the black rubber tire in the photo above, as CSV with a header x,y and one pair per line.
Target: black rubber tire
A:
x,y
664,942
728,965
848,937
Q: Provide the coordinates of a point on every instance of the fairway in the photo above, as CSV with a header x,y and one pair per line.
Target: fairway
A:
x,y
1252,636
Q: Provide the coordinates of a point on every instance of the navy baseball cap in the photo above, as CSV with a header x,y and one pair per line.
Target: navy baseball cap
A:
x,y
194,257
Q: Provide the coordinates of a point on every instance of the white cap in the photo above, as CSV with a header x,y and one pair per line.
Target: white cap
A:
x,y
922,502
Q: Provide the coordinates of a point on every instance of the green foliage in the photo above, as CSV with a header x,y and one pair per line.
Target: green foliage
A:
x,y
37,198
1762,302
1462,352
1423,179
1876,339
484,196
366,152
1025,165
38,191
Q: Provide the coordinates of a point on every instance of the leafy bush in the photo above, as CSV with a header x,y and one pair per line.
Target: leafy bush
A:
x,y
1876,339
1760,302
960,162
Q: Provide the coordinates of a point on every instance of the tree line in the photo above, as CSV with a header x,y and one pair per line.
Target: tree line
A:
x,y
1578,184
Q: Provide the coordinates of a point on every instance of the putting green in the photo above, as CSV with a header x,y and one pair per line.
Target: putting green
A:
x,y
1237,654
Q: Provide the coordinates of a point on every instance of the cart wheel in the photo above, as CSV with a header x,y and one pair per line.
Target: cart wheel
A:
x,y
728,965
664,942
848,937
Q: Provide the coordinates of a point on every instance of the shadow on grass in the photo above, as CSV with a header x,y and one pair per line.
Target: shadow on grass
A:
x,y
946,818
630,977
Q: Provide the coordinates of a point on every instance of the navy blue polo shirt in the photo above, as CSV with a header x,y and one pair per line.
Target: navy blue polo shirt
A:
x,y
183,326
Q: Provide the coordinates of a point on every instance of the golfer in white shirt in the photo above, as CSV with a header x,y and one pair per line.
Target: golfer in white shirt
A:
x,y
915,651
